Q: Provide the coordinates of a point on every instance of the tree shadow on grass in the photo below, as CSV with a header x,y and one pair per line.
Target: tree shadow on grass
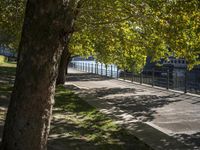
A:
x,y
87,138
7,74
78,125
7,77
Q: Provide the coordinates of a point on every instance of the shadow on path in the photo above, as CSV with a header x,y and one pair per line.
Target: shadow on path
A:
x,y
130,105
85,77
122,100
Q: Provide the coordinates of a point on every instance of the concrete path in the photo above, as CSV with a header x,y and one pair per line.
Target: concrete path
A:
x,y
163,119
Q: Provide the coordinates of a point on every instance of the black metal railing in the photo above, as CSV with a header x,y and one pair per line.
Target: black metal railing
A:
x,y
164,77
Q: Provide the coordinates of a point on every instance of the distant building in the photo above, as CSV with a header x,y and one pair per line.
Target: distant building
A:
x,y
79,58
176,63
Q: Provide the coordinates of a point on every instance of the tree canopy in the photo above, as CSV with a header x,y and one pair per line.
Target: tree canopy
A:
x,y
11,20
125,32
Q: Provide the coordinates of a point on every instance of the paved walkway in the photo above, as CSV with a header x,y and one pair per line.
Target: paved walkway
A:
x,y
163,119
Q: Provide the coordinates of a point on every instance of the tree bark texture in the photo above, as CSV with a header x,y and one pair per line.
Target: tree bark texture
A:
x,y
28,119
62,69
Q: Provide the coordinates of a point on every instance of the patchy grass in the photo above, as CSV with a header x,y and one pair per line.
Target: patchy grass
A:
x,y
76,125
8,69
7,76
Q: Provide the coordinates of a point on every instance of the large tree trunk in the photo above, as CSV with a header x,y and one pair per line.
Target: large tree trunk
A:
x,y
28,118
63,66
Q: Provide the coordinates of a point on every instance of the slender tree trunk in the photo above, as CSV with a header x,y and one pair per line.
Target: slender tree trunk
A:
x,y
62,66
68,60
28,118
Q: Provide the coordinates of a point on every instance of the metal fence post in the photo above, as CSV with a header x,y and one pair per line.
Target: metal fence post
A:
x,y
132,73
111,71
175,81
97,68
117,72
92,67
106,70
83,66
101,69
141,78
185,90
124,74
87,68
167,78
153,76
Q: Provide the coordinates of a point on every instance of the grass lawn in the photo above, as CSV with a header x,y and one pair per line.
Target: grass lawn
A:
x,y
76,125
